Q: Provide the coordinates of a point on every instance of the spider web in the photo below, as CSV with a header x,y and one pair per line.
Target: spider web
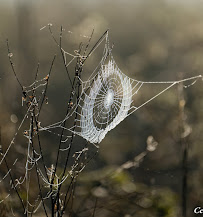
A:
x,y
106,99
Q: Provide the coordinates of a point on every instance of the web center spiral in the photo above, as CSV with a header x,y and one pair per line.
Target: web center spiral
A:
x,y
106,104
109,99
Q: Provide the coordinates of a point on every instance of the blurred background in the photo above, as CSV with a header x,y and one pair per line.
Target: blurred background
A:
x,y
153,41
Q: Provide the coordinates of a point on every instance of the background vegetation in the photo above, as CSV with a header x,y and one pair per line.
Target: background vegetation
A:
x,y
154,40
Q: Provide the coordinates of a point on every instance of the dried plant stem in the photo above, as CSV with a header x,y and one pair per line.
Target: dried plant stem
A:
x,y
184,146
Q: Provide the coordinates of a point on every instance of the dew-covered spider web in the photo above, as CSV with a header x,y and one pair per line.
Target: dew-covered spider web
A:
x,y
107,97
96,106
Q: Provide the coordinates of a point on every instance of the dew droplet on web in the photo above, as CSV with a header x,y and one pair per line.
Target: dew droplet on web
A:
x,y
10,54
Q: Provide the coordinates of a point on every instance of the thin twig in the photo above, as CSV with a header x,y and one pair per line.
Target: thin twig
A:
x,y
95,205
36,167
47,82
12,65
